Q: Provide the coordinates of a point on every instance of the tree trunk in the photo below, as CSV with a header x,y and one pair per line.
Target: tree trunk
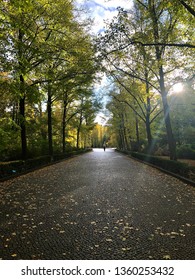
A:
x,y
148,106
22,119
64,127
125,138
49,120
124,131
148,128
148,131
22,95
170,137
122,140
78,130
127,142
148,112
43,132
159,57
137,131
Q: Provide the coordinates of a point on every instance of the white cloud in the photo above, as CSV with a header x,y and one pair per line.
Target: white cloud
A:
x,y
101,119
101,10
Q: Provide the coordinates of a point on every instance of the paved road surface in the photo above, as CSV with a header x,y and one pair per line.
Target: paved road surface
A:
x,y
100,205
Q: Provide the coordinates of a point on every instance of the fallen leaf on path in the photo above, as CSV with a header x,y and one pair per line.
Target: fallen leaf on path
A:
x,y
188,225
109,240
167,257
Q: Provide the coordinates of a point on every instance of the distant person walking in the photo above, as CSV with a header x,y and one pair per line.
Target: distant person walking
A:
x,y
104,146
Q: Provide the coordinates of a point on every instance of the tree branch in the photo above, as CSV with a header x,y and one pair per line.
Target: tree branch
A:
x,y
135,76
124,101
142,4
134,97
180,45
151,121
188,8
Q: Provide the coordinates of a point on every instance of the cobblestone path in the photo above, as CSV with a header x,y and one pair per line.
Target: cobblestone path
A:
x,y
100,205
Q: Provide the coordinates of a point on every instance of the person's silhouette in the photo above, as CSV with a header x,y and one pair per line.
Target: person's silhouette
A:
x,y
104,146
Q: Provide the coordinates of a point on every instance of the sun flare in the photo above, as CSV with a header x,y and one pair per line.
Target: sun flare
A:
x,y
177,88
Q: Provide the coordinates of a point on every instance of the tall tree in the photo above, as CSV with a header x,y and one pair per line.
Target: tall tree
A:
x,y
158,26
43,44
27,26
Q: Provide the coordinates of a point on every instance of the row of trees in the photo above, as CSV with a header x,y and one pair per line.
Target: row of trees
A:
x,y
146,51
47,67
48,64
